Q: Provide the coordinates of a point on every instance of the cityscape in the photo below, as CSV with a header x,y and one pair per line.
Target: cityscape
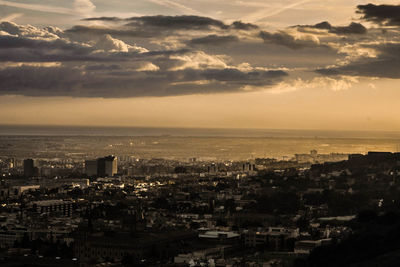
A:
x,y
202,133
85,209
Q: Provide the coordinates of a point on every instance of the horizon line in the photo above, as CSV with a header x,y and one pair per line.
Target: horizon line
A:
x,y
198,128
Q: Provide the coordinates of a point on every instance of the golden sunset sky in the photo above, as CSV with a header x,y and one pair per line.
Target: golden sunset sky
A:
x,y
332,64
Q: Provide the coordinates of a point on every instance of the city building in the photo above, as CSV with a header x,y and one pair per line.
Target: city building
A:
x,y
107,166
62,207
29,168
91,167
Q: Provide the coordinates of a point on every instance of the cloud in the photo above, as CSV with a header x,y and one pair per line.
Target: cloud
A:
x,y
214,39
197,60
46,62
154,26
243,26
289,40
173,23
108,43
384,68
28,44
110,19
338,83
177,22
384,64
10,41
114,31
352,28
29,31
65,81
180,55
381,14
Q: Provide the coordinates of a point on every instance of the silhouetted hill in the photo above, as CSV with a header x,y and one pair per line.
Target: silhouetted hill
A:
x,y
375,242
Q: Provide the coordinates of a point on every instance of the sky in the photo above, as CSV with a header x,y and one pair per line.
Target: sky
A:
x,y
306,64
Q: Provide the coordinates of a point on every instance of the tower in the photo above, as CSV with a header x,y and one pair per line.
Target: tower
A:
x,y
107,166
29,168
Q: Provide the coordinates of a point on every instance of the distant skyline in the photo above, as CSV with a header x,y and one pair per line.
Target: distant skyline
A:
x,y
327,65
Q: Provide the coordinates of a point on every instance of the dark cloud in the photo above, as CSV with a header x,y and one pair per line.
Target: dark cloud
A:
x,y
384,68
28,30
177,22
352,28
235,75
114,31
64,81
103,19
36,55
38,81
10,41
381,14
104,66
40,54
168,22
17,48
385,65
21,49
214,39
105,61
238,25
322,25
139,26
285,39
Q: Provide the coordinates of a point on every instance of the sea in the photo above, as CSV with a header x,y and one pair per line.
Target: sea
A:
x,y
185,143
